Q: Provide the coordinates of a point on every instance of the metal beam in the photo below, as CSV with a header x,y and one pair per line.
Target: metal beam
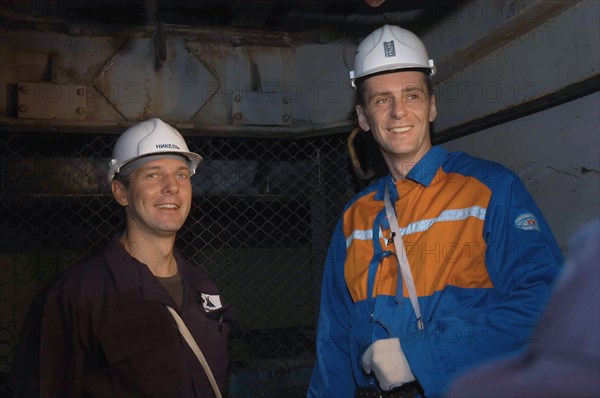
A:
x,y
509,21
193,82
564,95
527,74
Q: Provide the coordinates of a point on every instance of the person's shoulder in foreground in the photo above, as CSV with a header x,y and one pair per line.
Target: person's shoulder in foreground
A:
x,y
563,357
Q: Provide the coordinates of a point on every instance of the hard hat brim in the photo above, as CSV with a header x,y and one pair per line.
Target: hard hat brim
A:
x,y
192,158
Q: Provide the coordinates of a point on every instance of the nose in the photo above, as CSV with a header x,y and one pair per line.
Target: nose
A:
x,y
170,184
398,110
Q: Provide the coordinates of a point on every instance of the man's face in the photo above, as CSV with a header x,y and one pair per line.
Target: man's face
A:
x,y
159,197
398,110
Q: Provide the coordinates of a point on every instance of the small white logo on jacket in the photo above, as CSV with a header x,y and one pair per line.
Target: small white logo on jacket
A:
x,y
211,302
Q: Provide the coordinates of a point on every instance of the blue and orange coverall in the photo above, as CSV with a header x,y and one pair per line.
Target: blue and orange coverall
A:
x,y
482,257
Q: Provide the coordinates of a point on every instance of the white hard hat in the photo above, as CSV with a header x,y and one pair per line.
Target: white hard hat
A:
x,y
389,48
150,137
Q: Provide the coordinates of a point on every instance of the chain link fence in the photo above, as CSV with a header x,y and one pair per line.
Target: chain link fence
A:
x,y
262,215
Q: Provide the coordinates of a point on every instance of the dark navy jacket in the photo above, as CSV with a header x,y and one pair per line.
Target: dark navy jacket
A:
x,y
102,330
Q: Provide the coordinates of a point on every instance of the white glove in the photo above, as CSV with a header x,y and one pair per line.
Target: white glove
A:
x,y
387,361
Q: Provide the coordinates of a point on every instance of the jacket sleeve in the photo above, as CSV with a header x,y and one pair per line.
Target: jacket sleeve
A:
x,y
62,349
24,377
332,374
49,358
523,260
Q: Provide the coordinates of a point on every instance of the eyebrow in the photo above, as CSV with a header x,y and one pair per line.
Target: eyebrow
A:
x,y
412,88
158,167
407,89
379,94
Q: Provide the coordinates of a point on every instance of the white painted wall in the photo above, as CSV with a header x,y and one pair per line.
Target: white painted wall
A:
x,y
556,153
562,51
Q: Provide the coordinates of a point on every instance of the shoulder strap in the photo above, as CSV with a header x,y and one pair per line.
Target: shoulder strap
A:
x,y
401,257
196,349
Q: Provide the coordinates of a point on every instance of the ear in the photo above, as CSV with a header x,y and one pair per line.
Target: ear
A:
x,y
119,193
432,108
362,120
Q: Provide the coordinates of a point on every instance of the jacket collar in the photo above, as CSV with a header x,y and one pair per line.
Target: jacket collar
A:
x,y
129,274
423,172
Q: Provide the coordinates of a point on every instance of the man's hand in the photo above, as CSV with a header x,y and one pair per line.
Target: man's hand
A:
x,y
386,360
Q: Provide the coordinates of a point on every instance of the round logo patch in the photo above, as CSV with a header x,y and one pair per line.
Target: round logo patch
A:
x,y
527,222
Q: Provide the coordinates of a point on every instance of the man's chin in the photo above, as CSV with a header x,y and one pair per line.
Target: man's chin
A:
x,y
169,230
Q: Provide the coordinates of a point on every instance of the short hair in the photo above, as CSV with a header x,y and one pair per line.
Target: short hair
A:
x,y
123,179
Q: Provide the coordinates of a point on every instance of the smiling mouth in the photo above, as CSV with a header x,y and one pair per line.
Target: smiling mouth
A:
x,y
167,206
400,129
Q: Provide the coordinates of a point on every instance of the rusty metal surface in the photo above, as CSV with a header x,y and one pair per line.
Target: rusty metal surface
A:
x,y
186,77
261,108
51,101
138,90
190,75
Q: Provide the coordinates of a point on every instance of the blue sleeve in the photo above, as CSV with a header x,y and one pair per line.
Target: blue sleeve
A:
x,y
332,374
522,259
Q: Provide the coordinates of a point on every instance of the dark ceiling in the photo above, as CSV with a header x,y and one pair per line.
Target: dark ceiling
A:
x,y
353,17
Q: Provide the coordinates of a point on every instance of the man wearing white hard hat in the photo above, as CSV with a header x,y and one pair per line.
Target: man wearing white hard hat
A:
x,y
138,320
444,263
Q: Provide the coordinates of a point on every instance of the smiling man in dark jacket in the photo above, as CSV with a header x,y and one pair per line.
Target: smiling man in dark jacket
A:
x,y
105,328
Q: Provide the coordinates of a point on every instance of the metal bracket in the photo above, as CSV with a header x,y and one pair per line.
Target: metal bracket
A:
x,y
51,101
261,109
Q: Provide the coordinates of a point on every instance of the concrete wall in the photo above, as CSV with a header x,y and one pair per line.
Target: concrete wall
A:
x,y
515,60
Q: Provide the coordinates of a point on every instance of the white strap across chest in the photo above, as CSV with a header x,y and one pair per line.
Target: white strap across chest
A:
x,y
401,256
189,339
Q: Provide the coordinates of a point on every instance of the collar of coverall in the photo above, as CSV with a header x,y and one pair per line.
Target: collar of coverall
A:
x,y
425,169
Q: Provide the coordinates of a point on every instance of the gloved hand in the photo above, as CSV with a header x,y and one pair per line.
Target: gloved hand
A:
x,y
387,361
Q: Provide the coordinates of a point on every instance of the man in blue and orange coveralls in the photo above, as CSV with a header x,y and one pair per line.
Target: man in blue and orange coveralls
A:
x,y
477,259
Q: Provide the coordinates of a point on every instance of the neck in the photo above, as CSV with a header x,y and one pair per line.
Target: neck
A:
x,y
400,165
155,252
399,168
